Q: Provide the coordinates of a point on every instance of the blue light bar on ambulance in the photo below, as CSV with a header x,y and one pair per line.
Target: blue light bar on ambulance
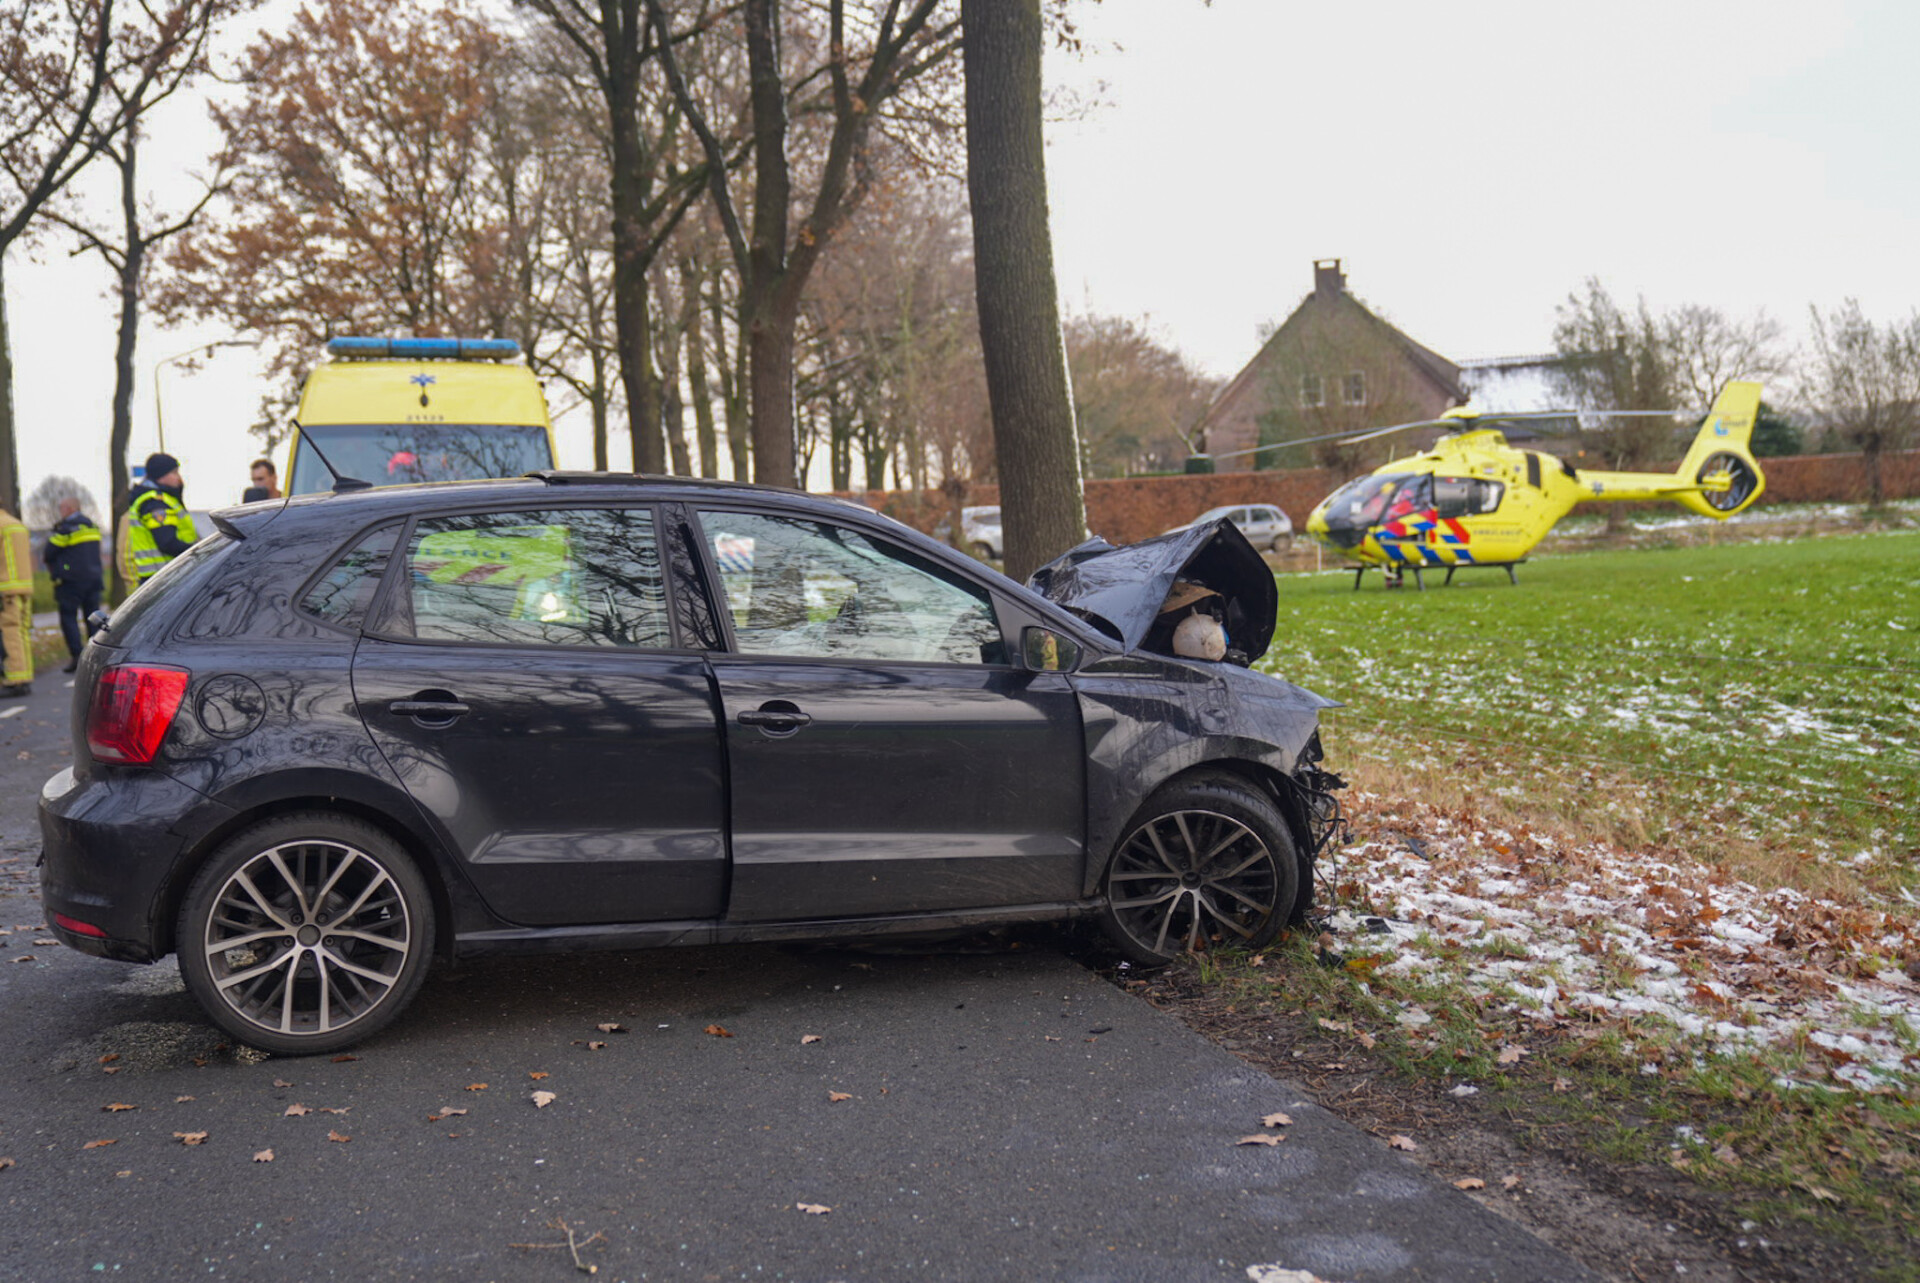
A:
x,y
424,349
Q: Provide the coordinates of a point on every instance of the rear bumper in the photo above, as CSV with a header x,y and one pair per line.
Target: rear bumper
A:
x,y
112,854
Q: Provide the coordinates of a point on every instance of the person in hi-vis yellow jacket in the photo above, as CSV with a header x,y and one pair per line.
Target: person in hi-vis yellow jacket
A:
x,y
16,606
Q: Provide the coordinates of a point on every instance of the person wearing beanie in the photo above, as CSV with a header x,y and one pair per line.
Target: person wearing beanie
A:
x,y
158,527
16,607
72,555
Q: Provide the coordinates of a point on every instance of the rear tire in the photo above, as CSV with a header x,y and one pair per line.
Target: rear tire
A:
x,y
306,933
1209,859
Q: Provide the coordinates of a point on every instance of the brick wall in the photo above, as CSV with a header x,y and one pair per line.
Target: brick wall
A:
x,y
1135,508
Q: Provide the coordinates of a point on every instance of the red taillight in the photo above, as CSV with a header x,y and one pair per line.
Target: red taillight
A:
x,y
78,927
133,706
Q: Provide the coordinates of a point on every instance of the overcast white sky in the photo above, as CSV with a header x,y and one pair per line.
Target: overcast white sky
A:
x,y
1471,163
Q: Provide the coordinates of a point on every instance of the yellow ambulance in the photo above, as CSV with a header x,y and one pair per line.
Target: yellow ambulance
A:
x,y
395,410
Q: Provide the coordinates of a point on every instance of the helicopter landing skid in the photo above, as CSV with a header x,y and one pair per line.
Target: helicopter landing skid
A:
x,y
1392,575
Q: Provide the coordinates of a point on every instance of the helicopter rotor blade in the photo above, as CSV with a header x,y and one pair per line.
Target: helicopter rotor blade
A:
x,y
1459,423
1354,434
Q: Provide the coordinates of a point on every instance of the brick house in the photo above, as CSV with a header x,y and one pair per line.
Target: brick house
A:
x,y
1332,366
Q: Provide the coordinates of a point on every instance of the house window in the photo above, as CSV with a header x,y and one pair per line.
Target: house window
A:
x,y
1311,393
1355,390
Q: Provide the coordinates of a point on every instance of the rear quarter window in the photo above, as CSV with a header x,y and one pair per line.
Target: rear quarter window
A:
x,y
174,584
344,591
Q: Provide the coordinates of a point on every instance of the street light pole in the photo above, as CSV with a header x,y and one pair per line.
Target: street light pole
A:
x,y
202,350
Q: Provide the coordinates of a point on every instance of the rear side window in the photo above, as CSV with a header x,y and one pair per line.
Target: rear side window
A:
x,y
578,577
341,596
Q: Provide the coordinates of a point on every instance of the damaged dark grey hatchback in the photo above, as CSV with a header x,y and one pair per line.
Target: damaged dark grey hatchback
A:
x,y
353,732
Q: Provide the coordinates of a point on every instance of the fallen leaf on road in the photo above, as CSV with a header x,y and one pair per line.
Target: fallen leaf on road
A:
x,y
541,1099
96,1144
1264,1138
189,1138
5,1163
341,1060
814,1209
1277,1274
1509,1182
1050,1038
181,1100
476,1086
325,1109
296,1110
116,1108
596,1046
1470,1182
538,1074
264,1156
609,1027
1277,1120
446,1112
46,942
25,957
836,1096
281,1082
338,1138
1401,1142
718,1031
808,1038
111,1069
125,1174
109,1058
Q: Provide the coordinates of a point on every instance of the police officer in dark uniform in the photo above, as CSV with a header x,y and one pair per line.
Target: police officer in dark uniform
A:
x,y
72,555
160,527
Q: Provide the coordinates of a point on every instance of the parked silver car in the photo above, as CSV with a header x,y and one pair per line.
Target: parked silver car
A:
x,y
1264,525
980,531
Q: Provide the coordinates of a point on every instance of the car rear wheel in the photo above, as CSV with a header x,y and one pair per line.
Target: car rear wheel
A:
x,y
306,934
1206,861
983,550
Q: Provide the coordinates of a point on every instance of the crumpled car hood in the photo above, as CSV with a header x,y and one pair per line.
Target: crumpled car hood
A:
x,y
1120,590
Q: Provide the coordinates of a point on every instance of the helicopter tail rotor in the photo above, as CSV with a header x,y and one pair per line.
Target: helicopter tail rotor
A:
x,y
1720,471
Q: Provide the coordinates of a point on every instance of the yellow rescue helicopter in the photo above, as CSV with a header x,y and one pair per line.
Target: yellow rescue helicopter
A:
x,y
1474,500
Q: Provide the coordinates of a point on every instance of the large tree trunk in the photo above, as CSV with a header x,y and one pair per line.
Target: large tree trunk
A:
x,y
768,335
123,350
632,322
706,438
1036,449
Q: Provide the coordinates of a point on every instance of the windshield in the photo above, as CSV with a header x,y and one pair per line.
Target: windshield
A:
x,y
399,454
1365,502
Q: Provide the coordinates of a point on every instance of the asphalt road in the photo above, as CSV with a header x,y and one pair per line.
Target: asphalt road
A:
x,y
1005,1116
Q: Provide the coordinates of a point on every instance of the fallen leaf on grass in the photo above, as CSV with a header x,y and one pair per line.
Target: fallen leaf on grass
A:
x,y
1257,960
1469,1182
809,1038
264,1156
116,1108
1336,1026
96,1144
296,1110
1820,1192
190,1138
1510,1055
837,1096
1727,1155
1402,1142
338,1138
538,1074
1263,1138
1364,1038
541,1099
718,1031
1277,1120
814,1209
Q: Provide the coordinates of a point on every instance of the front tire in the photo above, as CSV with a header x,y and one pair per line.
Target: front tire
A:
x,y
306,933
1204,860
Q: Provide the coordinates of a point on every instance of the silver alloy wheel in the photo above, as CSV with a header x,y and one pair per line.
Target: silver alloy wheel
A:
x,y
1192,873
307,937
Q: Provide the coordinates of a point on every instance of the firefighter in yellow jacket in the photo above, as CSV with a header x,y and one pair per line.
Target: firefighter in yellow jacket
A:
x,y
16,606
158,526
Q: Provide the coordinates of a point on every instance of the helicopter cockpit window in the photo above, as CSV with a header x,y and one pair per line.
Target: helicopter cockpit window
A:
x,y
1365,502
1465,496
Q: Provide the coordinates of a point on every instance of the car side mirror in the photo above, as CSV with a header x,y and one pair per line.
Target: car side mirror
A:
x,y
1044,651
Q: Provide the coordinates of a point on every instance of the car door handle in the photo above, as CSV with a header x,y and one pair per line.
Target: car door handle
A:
x,y
777,718
428,709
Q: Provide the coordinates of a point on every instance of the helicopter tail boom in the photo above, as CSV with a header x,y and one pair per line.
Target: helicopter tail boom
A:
x,y
1719,476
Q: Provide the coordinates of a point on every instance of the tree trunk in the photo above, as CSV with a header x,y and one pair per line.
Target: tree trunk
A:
x,y
692,331
1035,444
632,321
9,455
768,334
129,270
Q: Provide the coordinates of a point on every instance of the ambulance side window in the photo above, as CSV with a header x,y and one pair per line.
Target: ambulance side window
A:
x,y
580,577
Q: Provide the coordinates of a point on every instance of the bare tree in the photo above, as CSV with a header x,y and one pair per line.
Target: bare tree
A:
x,y
1707,349
870,57
1865,378
43,505
1035,441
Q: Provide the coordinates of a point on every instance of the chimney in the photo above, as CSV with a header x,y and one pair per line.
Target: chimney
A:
x,y
1328,280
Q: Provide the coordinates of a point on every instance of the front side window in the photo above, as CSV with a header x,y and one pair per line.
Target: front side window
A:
x,y
574,577
811,589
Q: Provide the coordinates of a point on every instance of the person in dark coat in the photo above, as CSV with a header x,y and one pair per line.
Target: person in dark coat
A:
x,y
72,555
